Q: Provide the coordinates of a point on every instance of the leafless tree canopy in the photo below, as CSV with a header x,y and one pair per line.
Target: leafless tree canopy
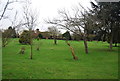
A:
x,y
30,16
80,21
54,31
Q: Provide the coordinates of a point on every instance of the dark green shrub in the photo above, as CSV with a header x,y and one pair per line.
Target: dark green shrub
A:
x,y
25,37
40,36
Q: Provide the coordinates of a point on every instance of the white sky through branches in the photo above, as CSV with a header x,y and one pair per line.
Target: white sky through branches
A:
x,y
45,8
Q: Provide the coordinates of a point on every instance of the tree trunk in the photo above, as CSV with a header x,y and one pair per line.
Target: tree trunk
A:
x,y
72,50
115,44
110,44
111,41
111,38
55,41
85,41
86,46
31,51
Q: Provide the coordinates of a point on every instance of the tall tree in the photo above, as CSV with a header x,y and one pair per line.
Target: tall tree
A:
x,y
77,21
30,18
108,18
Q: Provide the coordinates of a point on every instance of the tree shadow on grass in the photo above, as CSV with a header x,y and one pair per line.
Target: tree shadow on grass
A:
x,y
116,46
109,46
21,44
105,50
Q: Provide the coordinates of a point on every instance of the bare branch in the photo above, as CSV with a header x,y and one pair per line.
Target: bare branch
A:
x,y
6,8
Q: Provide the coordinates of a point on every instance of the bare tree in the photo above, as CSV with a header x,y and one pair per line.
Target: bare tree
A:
x,y
30,18
6,37
78,21
14,29
54,32
6,33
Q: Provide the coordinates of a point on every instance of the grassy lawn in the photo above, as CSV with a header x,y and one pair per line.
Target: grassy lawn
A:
x,y
55,61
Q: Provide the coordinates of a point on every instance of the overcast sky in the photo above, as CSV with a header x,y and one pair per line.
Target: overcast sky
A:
x,y
46,9
49,8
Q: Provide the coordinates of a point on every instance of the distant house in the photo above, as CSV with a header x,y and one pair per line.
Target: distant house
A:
x,y
46,34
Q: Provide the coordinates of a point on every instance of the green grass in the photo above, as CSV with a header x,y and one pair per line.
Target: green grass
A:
x,y
55,61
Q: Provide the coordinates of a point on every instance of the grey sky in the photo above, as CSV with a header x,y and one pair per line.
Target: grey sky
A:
x,y
108,0
46,9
